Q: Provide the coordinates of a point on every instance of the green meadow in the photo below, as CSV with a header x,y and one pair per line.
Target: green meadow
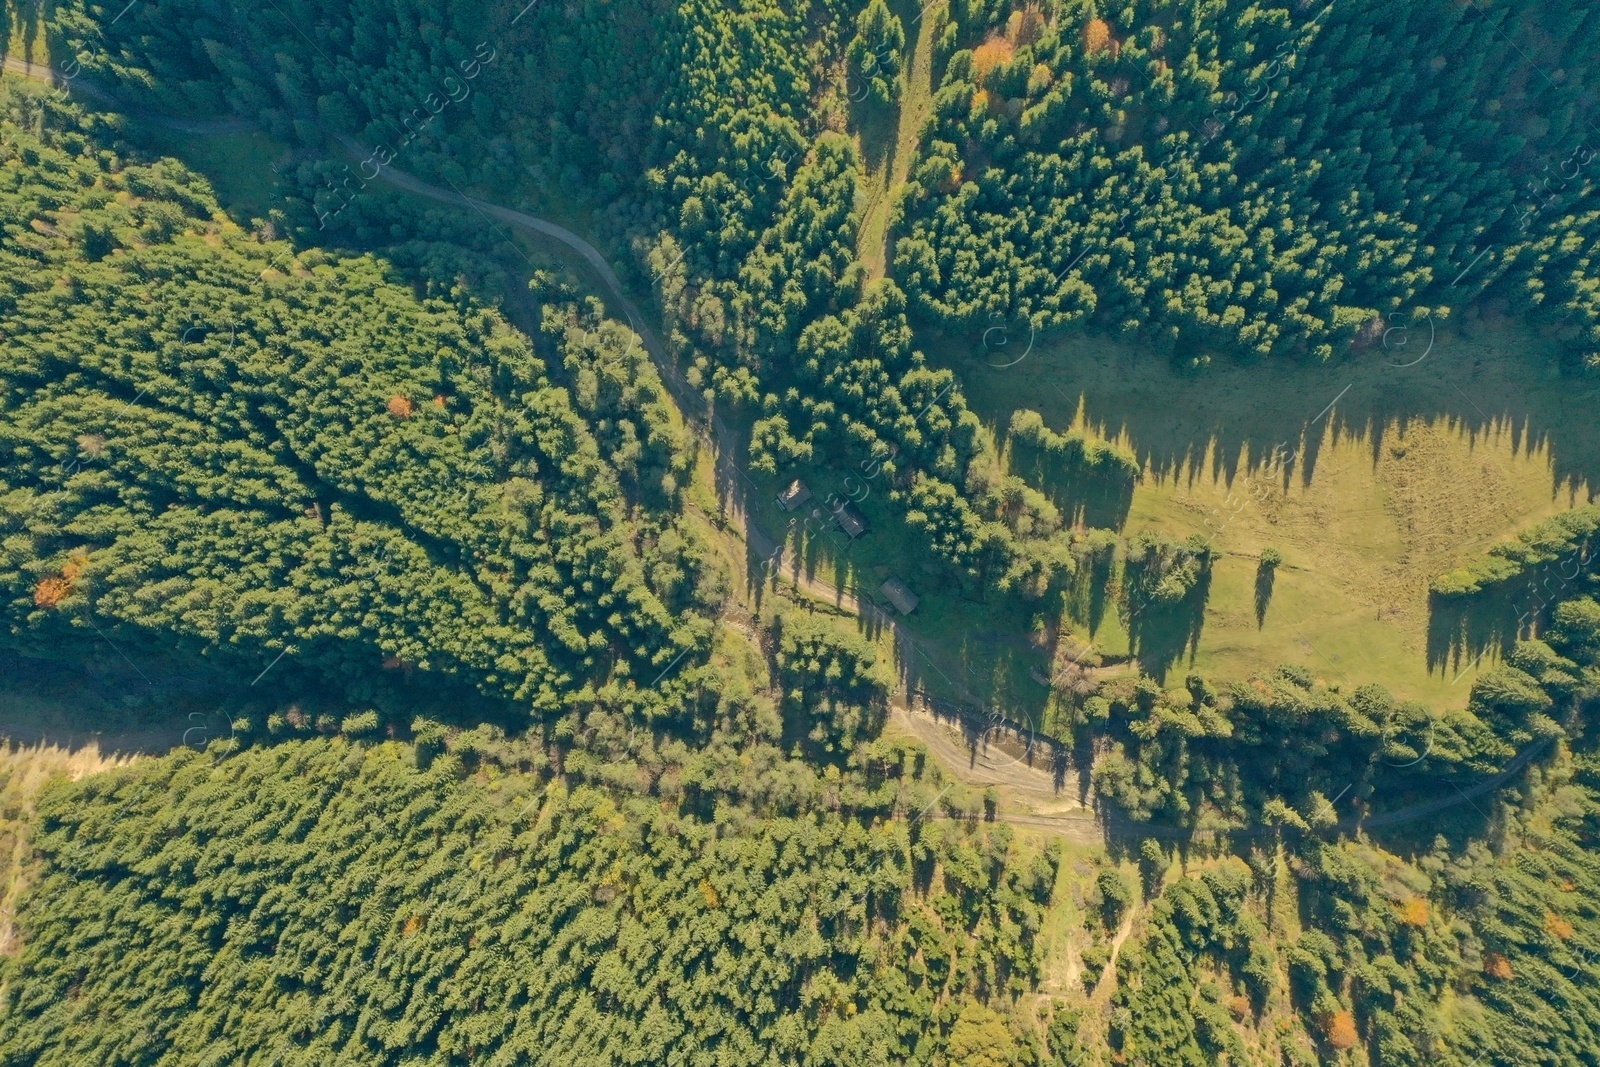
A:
x,y
1370,476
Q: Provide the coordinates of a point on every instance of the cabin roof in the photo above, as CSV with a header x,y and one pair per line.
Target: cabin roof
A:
x,y
904,600
850,520
794,496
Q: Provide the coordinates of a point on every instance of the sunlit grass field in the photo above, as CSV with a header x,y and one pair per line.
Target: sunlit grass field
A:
x,y
1369,476
888,136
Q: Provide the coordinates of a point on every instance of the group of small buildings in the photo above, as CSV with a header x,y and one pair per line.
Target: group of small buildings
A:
x,y
851,521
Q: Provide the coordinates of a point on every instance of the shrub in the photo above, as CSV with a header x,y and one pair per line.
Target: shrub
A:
x,y
1115,896
1340,1030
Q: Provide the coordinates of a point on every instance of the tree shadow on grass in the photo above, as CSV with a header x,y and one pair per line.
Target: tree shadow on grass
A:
x,y
86,694
1097,499
1090,592
21,20
1161,633
1494,385
1265,576
876,122
1464,629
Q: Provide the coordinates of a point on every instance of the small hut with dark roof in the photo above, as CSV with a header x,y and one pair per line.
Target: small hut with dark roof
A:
x,y
794,496
850,520
904,600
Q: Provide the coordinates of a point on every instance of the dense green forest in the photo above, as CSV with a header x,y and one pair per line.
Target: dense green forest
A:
x,y
390,912
215,439
1229,174
532,783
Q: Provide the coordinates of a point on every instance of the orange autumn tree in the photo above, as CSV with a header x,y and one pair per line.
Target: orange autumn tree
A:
x,y
1097,36
990,54
1414,912
54,589
1340,1030
51,591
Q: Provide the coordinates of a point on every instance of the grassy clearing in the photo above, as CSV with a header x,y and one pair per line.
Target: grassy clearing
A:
x,y
1396,474
887,137
238,165
1063,936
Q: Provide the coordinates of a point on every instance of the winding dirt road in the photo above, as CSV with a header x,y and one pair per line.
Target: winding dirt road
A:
x,y
981,753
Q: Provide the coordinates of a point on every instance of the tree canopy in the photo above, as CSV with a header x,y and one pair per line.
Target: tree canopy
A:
x,y
212,437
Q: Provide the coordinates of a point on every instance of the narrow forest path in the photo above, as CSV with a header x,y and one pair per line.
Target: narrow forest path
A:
x,y
883,185
204,127
37,71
